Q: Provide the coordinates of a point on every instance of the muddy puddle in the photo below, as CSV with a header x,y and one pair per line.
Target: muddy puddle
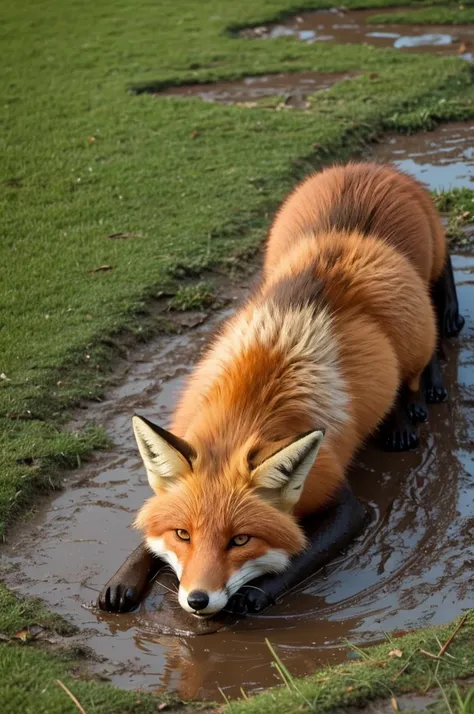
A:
x,y
443,158
413,566
292,88
352,26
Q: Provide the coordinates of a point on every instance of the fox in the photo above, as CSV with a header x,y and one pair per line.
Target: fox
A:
x,y
338,341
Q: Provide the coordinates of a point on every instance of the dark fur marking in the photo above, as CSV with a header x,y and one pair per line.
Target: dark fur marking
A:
x,y
299,291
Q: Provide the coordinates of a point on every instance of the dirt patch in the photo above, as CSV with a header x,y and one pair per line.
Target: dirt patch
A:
x,y
351,26
292,88
441,159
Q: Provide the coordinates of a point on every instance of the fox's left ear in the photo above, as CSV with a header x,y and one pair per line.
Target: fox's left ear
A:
x,y
283,474
166,456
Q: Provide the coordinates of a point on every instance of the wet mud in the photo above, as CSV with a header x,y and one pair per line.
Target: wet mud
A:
x,y
352,26
292,88
413,566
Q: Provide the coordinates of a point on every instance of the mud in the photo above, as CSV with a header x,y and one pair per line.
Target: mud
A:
x,y
351,26
292,88
443,158
412,567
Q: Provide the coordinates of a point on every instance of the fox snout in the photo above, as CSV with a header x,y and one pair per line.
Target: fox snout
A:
x,y
203,603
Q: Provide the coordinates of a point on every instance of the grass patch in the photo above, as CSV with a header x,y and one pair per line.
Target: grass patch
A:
x,y
455,15
457,205
29,684
17,614
193,297
415,662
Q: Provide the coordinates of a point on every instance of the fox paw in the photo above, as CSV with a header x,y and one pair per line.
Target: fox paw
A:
x,y
453,322
249,603
118,598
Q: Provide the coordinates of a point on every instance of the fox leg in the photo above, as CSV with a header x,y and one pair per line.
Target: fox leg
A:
x,y
450,324
328,533
125,589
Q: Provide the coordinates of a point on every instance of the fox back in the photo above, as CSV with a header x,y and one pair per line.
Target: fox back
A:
x,y
294,382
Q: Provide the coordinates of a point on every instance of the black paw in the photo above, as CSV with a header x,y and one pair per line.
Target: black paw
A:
x,y
417,411
453,322
403,439
248,602
118,598
436,393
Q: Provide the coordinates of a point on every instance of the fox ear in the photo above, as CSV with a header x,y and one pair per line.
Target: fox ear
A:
x,y
166,456
282,475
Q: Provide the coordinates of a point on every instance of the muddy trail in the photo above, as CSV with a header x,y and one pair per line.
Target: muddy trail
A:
x,y
412,566
352,27
290,88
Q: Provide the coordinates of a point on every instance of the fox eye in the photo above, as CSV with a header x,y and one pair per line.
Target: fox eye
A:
x,y
182,534
239,540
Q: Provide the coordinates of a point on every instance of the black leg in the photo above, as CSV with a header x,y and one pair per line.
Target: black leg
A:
x,y
398,432
125,589
450,324
433,381
445,299
328,533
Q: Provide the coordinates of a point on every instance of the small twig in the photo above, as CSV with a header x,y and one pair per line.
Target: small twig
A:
x,y
430,654
451,637
71,695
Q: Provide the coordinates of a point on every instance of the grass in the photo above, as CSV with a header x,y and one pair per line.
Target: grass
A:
x,y
110,198
193,297
456,15
411,663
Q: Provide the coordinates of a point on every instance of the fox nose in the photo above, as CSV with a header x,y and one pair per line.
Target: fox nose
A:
x,y
198,600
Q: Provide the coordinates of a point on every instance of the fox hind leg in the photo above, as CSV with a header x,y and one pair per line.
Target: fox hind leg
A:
x,y
449,323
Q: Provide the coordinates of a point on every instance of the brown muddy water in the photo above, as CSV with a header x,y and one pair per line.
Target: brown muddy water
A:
x,y
291,87
352,26
412,566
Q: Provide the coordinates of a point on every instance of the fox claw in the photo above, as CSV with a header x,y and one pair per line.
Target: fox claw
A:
x,y
249,603
117,598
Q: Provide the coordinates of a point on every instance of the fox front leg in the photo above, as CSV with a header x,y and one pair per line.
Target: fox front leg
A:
x,y
125,589
327,533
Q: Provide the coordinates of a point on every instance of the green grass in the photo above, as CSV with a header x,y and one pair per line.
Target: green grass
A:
x,y
456,15
28,685
20,614
377,675
193,297
156,190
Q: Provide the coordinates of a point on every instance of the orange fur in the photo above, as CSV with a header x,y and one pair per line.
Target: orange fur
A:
x,y
341,318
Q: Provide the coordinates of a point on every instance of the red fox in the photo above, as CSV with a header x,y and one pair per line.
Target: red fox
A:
x,y
341,323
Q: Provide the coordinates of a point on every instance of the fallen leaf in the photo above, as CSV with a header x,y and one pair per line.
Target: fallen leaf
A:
x,y
194,134
462,48
29,633
101,268
349,688
91,139
162,706
4,377
373,75
394,704
395,653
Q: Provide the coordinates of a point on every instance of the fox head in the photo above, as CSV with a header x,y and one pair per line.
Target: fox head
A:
x,y
220,526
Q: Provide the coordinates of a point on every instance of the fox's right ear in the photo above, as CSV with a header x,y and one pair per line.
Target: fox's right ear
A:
x,y
166,456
